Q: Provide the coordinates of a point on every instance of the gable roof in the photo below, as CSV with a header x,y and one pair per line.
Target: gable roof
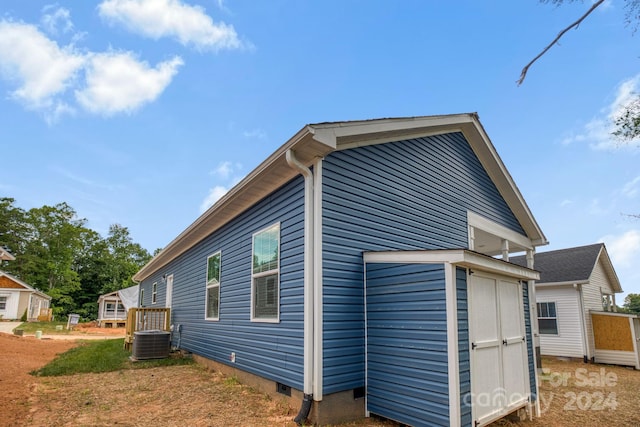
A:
x,y
317,141
25,287
572,265
5,255
128,296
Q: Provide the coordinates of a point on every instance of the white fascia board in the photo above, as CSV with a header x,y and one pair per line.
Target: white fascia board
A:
x,y
18,281
345,135
615,314
488,156
484,224
6,256
351,134
272,173
561,284
458,257
611,272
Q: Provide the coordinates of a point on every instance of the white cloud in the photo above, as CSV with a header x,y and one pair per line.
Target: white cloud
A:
x,y
596,208
566,202
56,19
190,25
623,249
255,133
42,69
630,189
118,82
214,195
225,169
598,131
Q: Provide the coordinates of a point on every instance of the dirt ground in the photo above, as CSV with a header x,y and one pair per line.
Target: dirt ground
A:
x,y
19,356
576,394
572,394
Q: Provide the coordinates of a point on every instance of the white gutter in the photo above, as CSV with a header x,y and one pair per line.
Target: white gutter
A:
x,y
308,270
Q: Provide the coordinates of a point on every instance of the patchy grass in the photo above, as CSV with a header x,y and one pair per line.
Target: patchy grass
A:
x,y
576,394
100,356
45,327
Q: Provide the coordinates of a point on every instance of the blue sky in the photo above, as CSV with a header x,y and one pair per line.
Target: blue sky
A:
x,y
143,112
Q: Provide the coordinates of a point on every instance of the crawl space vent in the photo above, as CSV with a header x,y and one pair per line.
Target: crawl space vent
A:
x,y
150,345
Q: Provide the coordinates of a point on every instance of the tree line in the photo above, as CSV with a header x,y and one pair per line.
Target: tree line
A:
x,y
57,254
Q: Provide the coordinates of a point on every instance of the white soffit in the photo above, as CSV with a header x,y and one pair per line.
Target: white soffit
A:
x,y
318,140
457,257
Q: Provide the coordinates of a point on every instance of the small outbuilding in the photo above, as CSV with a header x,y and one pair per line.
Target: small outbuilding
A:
x,y
113,307
18,298
574,283
363,268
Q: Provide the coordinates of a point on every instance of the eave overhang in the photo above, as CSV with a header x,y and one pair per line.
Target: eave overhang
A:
x,y
317,141
458,257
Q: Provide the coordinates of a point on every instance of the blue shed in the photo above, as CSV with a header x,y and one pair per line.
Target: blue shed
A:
x,y
363,268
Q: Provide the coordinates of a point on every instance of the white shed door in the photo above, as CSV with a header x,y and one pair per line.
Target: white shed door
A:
x,y
499,374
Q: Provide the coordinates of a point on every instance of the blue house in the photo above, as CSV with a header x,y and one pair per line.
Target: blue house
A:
x,y
363,269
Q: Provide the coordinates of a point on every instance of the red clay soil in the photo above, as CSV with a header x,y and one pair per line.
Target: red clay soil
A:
x,y
18,357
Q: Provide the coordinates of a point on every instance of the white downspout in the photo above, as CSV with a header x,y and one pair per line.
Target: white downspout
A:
x,y
308,271
583,323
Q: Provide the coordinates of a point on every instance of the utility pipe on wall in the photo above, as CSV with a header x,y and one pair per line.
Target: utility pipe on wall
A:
x,y
308,282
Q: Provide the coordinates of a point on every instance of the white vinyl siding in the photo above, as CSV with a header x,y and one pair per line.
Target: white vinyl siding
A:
x,y
568,341
212,299
265,292
592,300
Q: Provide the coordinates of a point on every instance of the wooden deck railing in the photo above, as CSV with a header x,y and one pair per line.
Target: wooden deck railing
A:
x,y
145,319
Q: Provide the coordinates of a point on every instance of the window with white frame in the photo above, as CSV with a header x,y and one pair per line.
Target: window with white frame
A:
x,y
141,298
212,310
265,292
3,303
547,318
110,308
154,292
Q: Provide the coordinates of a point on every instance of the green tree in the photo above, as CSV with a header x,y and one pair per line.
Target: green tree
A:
x,y
632,303
627,124
92,266
126,258
54,237
12,227
57,253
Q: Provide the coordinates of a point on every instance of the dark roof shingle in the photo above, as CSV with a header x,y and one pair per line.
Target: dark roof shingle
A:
x,y
564,265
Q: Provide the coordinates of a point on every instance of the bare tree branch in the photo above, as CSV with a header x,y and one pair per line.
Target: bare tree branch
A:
x,y
523,74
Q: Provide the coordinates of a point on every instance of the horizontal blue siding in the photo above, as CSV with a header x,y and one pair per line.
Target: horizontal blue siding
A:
x,y
407,363
464,361
404,195
529,334
273,351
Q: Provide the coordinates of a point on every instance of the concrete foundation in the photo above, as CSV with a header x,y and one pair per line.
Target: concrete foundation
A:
x,y
334,408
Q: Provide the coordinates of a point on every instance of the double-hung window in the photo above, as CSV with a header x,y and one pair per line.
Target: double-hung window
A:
x,y
212,309
265,292
154,292
3,303
547,318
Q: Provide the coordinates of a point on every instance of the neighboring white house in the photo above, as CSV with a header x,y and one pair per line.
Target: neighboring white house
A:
x,y
573,282
16,297
113,307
